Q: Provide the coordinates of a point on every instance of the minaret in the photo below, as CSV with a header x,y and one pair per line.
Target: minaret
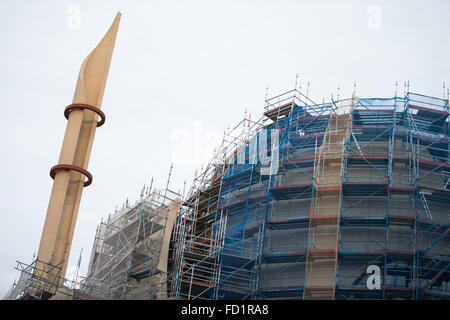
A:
x,y
70,174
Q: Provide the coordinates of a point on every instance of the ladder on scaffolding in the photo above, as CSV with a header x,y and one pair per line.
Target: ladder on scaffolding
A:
x,y
425,205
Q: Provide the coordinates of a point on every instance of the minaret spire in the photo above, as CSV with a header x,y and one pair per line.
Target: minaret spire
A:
x,y
71,171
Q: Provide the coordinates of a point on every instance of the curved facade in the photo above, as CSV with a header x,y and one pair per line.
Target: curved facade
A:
x,y
356,208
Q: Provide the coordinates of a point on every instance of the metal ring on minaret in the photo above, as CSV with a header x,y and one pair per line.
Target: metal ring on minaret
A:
x,y
81,106
59,167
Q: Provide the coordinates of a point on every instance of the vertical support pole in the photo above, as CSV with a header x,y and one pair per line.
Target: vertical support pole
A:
x,y
190,284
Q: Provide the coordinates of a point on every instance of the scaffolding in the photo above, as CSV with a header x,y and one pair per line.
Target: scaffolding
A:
x,y
38,281
130,253
394,188
361,182
199,240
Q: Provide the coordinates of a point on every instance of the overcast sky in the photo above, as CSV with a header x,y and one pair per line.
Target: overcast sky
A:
x,y
180,73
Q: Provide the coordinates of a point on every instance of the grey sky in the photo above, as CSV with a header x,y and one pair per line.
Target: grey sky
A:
x,y
176,64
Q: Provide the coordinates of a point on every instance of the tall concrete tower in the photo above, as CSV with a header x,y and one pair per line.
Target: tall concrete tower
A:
x,y
70,174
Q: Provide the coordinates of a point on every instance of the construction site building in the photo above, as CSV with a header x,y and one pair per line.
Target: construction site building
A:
x,y
362,185
311,201
130,254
